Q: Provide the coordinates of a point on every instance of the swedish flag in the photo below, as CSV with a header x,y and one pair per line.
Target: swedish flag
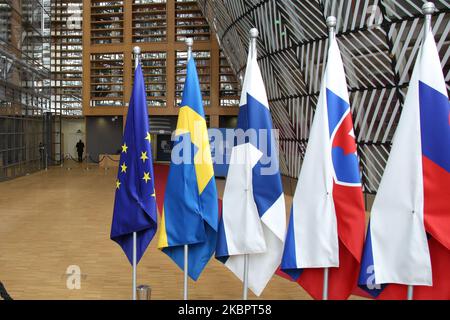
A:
x,y
190,214
135,202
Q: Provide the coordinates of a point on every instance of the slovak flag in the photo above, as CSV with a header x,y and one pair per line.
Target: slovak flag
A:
x,y
254,213
408,241
327,223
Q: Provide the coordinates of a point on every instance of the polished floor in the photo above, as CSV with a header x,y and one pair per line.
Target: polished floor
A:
x,y
60,218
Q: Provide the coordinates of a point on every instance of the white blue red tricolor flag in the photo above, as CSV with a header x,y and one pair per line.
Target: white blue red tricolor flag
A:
x,y
254,215
408,240
327,224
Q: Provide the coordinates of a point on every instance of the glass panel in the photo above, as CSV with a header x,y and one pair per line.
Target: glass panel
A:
x,y
203,62
189,21
229,86
106,21
155,74
107,80
149,21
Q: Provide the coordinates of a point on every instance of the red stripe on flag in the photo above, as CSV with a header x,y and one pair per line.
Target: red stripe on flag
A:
x,y
436,182
440,263
351,221
342,281
161,173
351,218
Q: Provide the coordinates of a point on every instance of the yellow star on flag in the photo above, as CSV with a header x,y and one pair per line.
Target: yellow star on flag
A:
x,y
144,156
149,137
154,194
146,177
118,183
124,168
124,148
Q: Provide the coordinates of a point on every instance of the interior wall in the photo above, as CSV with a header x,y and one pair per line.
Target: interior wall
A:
x,y
103,135
73,130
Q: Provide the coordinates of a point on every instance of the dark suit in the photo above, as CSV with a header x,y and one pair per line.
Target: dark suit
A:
x,y
80,150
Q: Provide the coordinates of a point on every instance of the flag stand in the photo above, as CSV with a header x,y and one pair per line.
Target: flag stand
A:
x,y
254,33
331,23
189,44
137,54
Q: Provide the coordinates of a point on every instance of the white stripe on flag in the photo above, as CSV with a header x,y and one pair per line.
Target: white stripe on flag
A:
x,y
399,241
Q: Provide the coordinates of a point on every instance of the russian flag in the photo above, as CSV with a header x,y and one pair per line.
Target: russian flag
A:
x,y
327,222
254,213
408,241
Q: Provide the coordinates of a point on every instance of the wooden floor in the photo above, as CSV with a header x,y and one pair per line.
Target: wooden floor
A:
x,y
51,220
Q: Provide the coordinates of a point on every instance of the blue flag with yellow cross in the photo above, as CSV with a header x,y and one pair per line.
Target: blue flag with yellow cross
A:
x,y
135,200
190,214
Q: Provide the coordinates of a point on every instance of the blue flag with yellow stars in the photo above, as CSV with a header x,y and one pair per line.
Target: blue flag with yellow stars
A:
x,y
135,203
190,215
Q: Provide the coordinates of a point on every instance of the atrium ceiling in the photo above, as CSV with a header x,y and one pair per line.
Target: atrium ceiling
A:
x,y
379,41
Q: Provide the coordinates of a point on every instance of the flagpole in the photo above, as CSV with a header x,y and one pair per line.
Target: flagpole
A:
x,y
427,9
331,23
189,44
254,33
137,55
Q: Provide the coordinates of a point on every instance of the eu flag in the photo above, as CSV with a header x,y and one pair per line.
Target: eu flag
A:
x,y
135,202
190,214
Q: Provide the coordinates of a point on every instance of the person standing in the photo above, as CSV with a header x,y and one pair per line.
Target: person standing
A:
x,y
80,150
41,154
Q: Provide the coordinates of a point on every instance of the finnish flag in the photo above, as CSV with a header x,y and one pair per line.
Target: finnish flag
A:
x,y
254,215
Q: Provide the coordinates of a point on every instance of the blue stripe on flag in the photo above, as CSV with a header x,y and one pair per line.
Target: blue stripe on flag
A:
x,y
289,261
192,94
222,246
337,107
346,165
435,126
366,279
254,115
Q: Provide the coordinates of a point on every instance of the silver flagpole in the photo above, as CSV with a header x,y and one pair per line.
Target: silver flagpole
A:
x,y
245,288
331,23
427,9
254,33
189,44
326,272
137,56
134,264
410,293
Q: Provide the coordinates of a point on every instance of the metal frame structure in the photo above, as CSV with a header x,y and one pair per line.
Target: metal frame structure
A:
x,y
67,54
24,86
379,40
